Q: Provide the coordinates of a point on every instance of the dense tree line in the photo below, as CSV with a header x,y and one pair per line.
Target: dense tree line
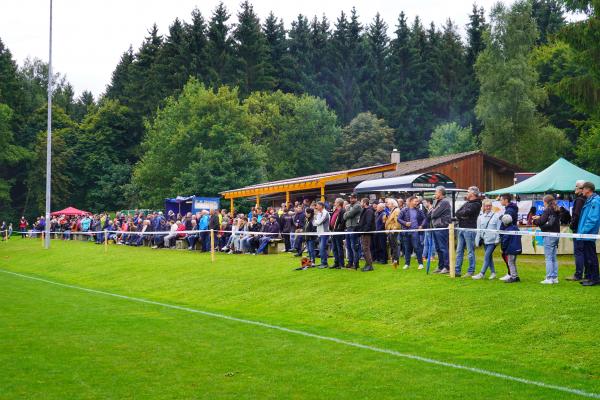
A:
x,y
223,100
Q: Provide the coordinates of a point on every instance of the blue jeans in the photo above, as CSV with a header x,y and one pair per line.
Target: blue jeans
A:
x,y
488,259
264,241
412,242
310,248
591,260
441,246
550,251
465,238
579,257
323,248
352,246
205,237
337,242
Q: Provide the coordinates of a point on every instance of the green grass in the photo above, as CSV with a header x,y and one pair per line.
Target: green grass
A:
x,y
59,343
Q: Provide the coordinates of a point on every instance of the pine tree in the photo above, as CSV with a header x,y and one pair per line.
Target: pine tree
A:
x,y
253,67
401,68
453,72
300,53
375,88
197,42
549,17
121,78
346,52
279,57
143,88
319,68
220,48
475,45
10,85
172,66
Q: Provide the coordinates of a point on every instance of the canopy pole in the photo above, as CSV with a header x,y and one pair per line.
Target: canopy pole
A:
x,y
287,198
323,193
257,200
231,205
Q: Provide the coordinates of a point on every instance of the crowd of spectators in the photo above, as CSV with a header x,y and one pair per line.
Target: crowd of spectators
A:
x,y
354,230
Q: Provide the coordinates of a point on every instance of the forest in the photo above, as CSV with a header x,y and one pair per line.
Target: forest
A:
x,y
225,99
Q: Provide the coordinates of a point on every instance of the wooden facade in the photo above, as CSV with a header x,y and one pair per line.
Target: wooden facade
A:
x,y
474,168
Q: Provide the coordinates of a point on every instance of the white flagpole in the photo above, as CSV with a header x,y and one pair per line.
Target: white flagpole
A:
x,y
49,137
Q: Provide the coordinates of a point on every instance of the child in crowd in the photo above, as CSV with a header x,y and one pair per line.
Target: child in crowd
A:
x,y
511,247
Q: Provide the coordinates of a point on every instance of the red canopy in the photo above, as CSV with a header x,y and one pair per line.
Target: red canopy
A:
x,y
69,211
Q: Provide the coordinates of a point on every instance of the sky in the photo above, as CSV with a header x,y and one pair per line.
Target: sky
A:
x,y
90,36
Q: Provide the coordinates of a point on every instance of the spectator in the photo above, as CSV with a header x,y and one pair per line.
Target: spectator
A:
x,y
380,238
321,222
549,221
577,243
351,217
299,223
511,248
532,213
565,216
412,218
338,224
488,219
467,218
172,233
287,226
309,228
204,233
439,217
390,220
366,225
589,224
271,230
428,242
511,209
23,224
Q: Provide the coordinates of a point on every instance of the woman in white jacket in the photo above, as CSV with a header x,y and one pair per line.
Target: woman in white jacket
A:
x,y
487,219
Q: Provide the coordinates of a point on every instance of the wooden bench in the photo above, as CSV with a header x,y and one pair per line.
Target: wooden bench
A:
x,y
276,246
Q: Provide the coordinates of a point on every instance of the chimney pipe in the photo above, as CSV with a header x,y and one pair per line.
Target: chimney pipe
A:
x,y
395,157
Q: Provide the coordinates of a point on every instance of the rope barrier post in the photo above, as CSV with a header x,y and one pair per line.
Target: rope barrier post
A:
x,y
452,250
105,241
212,245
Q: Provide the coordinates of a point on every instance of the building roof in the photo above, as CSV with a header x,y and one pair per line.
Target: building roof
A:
x,y
305,182
429,164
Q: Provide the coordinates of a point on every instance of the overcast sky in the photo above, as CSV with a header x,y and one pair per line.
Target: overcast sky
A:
x,y
90,36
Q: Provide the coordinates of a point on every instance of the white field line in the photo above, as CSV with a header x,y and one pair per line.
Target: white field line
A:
x,y
320,337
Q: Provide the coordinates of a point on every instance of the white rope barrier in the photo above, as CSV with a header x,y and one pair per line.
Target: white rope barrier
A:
x,y
534,233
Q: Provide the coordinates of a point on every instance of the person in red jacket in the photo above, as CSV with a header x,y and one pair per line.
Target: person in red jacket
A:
x,y
23,224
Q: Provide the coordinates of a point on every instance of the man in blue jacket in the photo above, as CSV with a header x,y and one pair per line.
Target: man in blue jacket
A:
x,y
589,223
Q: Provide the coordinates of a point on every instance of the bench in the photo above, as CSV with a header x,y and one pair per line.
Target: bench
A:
x,y
276,246
181,244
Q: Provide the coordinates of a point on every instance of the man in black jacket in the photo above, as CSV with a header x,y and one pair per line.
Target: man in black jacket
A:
x,y
577,243
440,216
467,218
287,226
214,225
337,224
366,224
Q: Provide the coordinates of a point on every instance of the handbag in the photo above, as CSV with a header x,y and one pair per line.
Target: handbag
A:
x,y
481,241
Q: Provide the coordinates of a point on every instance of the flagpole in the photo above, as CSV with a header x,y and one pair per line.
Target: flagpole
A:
x,y
49,137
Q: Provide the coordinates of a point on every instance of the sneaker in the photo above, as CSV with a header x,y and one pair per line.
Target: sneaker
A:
x,y
555,280
512,280
505,278
230,252
468,275
547,281
323,266
492,276
574,278
478,276
421,266
405,267
437,271
444,271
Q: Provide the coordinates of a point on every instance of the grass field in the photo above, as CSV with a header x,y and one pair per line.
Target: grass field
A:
x,y
60,342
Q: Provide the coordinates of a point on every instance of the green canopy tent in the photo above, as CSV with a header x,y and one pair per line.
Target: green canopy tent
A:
x,y
558,177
